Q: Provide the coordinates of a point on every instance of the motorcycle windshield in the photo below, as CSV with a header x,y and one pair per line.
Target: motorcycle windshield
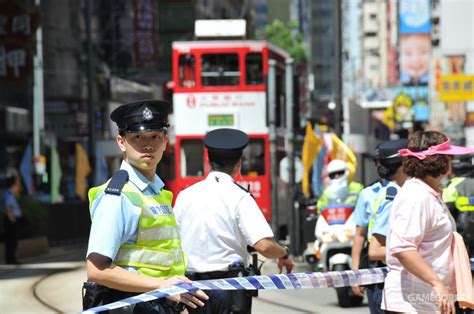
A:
x,y
337,214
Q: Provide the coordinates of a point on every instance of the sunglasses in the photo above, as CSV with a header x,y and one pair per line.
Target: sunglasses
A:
x,y
336,174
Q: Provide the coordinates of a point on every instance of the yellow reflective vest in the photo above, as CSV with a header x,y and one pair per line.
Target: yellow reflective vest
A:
x,y
157,252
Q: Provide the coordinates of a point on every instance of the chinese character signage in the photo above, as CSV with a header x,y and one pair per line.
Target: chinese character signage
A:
x,y
144,33
17,42
456,87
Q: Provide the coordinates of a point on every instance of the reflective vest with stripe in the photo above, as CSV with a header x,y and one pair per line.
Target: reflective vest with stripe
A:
x,y
375,207
157,252
450,192
351,199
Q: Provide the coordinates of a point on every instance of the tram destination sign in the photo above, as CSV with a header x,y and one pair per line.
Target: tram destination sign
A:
x,y
220,120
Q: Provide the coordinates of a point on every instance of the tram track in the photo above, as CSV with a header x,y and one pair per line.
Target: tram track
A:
x,y
36,288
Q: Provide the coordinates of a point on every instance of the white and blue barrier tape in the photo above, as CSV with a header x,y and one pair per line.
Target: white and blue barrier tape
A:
x,y
331,279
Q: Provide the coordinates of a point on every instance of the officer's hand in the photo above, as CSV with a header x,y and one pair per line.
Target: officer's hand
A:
x,y
358,290
189,299
287,263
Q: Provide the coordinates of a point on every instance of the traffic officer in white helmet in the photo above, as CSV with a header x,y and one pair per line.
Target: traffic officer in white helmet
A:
x,y
338,189
218,219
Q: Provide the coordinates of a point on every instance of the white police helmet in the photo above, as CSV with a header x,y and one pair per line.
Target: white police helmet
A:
x,y
338,185
336,166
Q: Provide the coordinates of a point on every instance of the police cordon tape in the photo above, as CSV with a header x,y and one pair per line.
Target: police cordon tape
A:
x,y
332,279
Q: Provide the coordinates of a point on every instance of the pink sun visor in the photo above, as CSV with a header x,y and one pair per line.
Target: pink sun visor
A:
x,y
441,149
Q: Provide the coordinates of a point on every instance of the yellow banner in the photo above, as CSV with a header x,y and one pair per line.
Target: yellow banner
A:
x,y
456,87
83,169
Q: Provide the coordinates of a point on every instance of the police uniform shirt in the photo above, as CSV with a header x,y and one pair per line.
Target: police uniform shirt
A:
x,y
381,219
363,208
217,220
115,218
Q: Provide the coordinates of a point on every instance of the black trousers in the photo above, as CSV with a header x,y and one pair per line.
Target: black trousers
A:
x,y
222,301
11,240
96,295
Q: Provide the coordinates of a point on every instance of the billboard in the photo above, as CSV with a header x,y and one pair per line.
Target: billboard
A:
x,y
414,42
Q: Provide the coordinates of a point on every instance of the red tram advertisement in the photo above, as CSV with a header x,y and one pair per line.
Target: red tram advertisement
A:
x,y
222,83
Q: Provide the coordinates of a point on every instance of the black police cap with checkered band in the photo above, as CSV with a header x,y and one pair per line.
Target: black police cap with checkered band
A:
x,y
143,115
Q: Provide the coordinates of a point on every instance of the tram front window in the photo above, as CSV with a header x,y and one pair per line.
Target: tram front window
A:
x,y
253,161
220,69
192,158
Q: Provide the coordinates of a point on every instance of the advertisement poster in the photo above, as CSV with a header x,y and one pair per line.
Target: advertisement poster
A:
x,y
414,42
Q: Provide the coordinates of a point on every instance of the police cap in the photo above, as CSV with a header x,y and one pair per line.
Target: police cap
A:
x,y
388,151
226,142
143,115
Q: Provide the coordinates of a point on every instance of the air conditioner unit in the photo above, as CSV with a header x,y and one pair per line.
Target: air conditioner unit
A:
x,y
14,119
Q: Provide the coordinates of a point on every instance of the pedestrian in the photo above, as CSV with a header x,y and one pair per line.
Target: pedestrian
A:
x,y
390,169
134,244
361,216
419,257
218,219
13,215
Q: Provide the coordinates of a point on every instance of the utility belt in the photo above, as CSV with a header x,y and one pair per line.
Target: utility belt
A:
x,y
241,300
367,263
94,294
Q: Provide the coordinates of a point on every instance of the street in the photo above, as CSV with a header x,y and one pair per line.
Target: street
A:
x,y
52,284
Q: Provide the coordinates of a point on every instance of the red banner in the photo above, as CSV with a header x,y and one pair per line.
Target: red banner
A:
x,y
144,32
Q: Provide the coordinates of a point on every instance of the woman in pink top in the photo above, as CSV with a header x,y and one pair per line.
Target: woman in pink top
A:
x,y
419,257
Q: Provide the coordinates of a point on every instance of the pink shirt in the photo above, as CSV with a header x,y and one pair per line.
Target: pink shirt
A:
x,y
419,220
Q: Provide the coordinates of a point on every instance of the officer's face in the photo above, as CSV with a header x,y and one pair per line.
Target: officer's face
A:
x,y
143,149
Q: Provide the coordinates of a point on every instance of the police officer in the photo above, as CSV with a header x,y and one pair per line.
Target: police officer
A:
x,y
338,189
390,169
13,214
459,197
361,216
134,244
218,219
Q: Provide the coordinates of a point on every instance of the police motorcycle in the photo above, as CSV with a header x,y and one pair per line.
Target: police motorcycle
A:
x,y
334,231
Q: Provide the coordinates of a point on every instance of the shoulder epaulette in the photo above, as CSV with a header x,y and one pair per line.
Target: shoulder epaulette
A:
x,y
246,190
391,193
117,182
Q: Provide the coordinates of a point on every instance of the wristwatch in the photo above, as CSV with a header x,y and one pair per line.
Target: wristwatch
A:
x,y
287,254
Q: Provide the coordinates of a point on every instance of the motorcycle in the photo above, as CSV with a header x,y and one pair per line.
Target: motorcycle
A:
x,y
331,251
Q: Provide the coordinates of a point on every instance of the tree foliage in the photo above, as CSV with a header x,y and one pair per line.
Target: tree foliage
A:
x,y
287,37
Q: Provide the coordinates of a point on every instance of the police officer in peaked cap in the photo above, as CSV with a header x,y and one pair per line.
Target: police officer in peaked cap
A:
x,y
131,214
218,219
391,170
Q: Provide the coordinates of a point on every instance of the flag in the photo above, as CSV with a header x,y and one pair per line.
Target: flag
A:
x,y
341,151
83,169
318,165
25,168
311,147
101,170
56,174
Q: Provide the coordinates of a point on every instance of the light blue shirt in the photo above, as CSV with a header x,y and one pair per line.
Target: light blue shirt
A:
x,y
381,222
363,208
10,200
115,218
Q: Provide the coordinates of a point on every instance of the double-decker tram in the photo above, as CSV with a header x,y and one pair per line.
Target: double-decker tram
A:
x,y
218,84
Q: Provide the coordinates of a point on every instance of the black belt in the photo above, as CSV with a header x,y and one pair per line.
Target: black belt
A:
x,y
218,274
